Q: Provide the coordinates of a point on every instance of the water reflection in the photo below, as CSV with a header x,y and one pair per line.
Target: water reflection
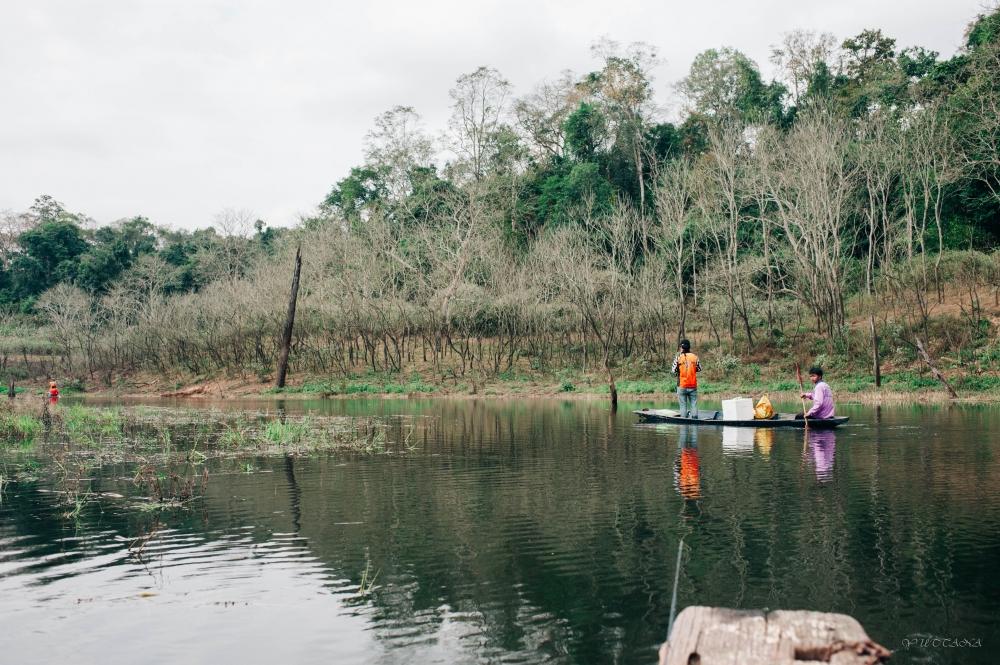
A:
x,y
737,440
763,438
687,471
822,446
515,531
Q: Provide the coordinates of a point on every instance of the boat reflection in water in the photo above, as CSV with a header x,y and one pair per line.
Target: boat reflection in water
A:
x,y
763,438
822,446
737,440
687,471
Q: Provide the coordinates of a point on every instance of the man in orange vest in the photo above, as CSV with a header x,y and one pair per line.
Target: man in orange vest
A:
x,y
686,367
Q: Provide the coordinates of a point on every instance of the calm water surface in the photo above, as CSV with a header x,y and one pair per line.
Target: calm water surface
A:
x,y
517,532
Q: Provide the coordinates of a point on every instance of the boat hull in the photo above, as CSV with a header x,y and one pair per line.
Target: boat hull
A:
x,y
780,420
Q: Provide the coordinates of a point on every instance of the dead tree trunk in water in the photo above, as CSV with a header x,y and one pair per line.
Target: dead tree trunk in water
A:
x,y
613,389
286,336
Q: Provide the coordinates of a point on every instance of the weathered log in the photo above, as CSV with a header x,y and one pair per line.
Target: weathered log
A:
x,y
720,636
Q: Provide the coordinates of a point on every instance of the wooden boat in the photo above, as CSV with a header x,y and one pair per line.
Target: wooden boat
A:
x,y
715,418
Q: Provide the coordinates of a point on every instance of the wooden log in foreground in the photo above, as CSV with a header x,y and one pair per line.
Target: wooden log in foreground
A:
x,y
719,636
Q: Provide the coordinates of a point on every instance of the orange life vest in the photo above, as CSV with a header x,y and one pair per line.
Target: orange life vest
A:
x,y
687,370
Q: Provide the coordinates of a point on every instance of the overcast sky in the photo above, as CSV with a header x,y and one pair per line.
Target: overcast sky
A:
x,y
177,109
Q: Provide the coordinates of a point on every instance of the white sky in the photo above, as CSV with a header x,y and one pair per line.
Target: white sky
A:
x,y
177,109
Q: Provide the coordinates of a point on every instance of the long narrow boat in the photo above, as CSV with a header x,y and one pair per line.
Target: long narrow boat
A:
x,y
715,418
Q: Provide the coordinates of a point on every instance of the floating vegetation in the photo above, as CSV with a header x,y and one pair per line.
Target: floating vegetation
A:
x,y
367,580
164,450
121,434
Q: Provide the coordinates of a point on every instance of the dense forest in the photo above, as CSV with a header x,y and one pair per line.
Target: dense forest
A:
x,y
848,209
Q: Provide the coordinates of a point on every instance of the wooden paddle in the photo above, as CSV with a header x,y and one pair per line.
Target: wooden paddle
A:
x,y
798,374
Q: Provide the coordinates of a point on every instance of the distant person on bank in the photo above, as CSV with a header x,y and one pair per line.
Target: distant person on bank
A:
x,y
686,367
821,396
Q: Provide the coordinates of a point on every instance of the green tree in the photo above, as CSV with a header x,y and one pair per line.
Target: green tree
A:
x,y
50,253
586,132
115,249
355,196
622,89
725,83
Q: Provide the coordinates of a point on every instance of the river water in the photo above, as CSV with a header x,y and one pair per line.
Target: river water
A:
x,y
518,531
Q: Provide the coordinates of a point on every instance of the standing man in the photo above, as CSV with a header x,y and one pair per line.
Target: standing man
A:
x,y
821,396
686,367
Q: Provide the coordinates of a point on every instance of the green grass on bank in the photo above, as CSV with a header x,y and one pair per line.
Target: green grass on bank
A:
x,y
525,384
19,428
898,381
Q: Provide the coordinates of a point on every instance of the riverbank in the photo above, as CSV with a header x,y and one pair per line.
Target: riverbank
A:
x,y
903,386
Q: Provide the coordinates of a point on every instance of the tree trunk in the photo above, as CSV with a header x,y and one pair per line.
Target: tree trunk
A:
x,y
876,361
934,370
612,388
286,336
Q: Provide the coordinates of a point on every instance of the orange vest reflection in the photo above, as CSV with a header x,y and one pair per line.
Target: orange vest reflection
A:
x,y
689,474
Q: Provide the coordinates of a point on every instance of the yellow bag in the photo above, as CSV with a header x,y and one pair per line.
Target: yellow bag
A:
x,y
763,410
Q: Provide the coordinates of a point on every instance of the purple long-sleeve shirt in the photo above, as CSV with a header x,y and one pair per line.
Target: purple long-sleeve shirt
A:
x,y
823,398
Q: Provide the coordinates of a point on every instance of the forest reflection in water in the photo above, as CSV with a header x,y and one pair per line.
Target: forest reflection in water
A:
x,y
521,531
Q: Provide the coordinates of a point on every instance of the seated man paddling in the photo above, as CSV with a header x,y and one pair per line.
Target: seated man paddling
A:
x,y
821,395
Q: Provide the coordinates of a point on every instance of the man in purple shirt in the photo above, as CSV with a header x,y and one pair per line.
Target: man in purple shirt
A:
x,y
821,396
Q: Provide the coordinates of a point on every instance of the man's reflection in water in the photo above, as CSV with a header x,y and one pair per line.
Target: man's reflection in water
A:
x,y
763,438
823,445
687,472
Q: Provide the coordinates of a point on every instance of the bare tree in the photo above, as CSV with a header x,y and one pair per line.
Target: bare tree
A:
x,y
721,196
879,171
810,183
232,255
932,164
71,312
479,107
798,55
398,144
12,225
541,114
595,271
675,202
982,111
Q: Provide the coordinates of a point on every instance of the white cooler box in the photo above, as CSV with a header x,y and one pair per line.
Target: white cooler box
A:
x,y
740,408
